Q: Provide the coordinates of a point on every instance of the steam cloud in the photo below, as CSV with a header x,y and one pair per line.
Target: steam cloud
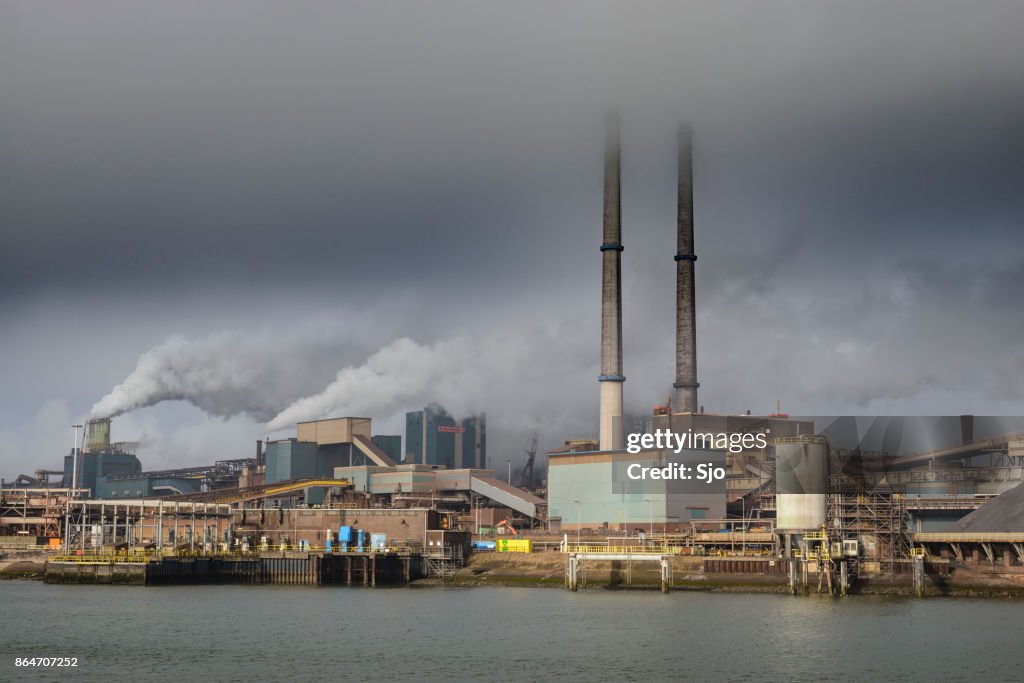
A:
x,y
507,374
228,374
282,381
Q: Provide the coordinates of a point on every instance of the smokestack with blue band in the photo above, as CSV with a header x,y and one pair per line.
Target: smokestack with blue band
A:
x,y
686,316
611,378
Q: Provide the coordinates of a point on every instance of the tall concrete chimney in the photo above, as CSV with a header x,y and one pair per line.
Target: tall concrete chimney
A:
x,y
686,314
611,378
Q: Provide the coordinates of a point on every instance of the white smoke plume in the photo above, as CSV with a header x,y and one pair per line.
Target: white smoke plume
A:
x,y
231,373
282,380
509,375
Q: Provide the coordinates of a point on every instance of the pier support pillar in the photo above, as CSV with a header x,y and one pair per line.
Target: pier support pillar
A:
x,y
919,576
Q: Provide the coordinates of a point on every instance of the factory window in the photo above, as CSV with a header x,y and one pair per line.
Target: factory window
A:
x,y
697,514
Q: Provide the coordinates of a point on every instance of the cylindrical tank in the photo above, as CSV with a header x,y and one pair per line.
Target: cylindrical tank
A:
x,y
801,482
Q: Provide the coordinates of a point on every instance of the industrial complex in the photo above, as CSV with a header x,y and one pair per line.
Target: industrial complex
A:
x,y
800,504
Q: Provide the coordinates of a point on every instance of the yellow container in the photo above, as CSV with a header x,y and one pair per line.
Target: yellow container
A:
x,y
514,545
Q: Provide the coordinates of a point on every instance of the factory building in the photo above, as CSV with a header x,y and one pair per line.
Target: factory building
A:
x,y
145,486
581,493
111,470
289,459
433,437
320,446
407,526
391,444
100,458
461,489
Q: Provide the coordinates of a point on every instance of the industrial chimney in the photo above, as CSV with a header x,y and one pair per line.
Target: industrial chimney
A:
x,y
686,316
611,378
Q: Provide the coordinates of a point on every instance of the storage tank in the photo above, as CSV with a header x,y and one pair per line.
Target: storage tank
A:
x,y
801,482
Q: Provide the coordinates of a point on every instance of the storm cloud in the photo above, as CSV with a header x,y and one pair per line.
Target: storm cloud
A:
x,y
239,173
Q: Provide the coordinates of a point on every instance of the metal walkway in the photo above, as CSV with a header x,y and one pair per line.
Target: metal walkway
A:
x,y
519,500
578,555
372,451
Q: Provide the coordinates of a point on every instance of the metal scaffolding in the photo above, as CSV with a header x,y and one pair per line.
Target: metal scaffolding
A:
x,y
877,519
95,524
442,561
35,511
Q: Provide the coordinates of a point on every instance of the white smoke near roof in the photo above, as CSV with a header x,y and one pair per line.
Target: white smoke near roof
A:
x,y
397,374
231,373
507,374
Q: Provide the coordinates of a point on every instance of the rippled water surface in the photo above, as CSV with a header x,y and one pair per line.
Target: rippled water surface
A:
x,y
247,633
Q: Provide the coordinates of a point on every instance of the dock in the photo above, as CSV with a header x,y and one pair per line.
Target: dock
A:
x,y
284,567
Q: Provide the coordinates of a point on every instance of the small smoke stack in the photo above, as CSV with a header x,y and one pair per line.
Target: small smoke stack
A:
x,y
686,314
259,452
966,429
611,378
97,438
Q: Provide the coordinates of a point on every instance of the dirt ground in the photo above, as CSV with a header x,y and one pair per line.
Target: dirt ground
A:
x,y
21,564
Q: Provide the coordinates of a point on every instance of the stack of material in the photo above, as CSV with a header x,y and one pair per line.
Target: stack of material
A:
x,y
1004,514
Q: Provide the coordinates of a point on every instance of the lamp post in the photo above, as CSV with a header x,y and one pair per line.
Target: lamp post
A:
x,y
743,529
577,502
651,501
625,517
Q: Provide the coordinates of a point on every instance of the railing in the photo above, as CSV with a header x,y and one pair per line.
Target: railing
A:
x,y
594,549
966,537
154,554
108,558
334,549
267,491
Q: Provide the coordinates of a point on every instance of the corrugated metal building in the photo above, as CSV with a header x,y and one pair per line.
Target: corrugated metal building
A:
x,y
92,467
581,493
145,487
434,437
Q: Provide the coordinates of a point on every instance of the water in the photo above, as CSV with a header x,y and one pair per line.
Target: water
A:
x,y
267,633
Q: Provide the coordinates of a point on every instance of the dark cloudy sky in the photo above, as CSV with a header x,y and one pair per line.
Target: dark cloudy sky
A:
x,y
264,194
